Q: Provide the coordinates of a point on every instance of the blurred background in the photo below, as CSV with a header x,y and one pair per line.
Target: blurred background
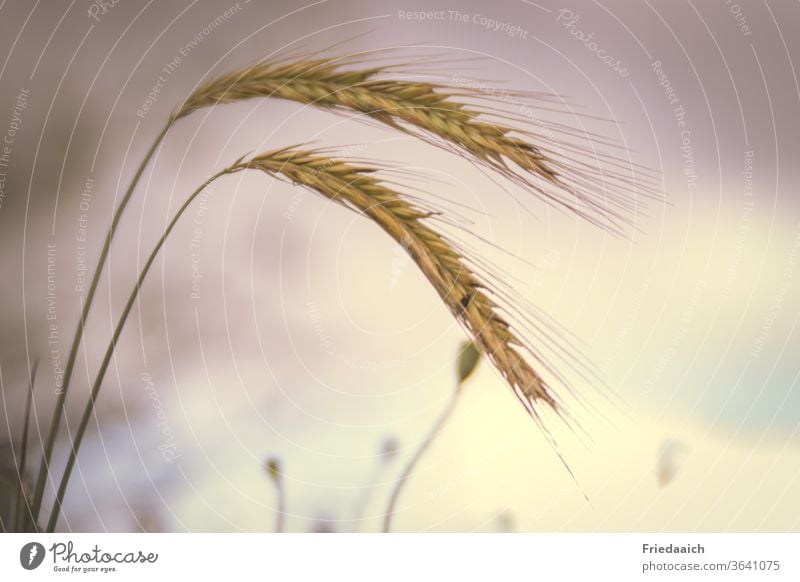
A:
x,y
275,324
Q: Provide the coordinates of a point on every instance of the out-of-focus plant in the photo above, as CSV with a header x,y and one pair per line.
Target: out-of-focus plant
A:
x,y
14,482
466,363
273,468
385,459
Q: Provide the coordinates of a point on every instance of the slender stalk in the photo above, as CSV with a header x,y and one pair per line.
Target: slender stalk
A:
x,y
466,363
89,409
273,467
280,517
386,456
76,341
19,517
432,434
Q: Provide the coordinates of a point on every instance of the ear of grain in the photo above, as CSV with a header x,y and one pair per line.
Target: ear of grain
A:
x,y
461,290
439,114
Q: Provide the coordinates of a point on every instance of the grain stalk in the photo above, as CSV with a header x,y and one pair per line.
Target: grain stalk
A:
x,y
47,455
89,408
273,467
435,113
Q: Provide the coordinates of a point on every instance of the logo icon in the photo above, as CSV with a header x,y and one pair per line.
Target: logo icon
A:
x,y
31,555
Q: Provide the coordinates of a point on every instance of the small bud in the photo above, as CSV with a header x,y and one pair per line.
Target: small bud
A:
x,y
670,461
389,449
468,359
506,522
273,467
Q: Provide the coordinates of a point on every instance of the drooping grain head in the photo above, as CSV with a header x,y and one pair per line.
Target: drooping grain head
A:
x,y
462,291
437,113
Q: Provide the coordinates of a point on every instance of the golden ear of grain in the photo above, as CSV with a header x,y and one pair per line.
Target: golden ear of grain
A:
x,y
436,113
461,290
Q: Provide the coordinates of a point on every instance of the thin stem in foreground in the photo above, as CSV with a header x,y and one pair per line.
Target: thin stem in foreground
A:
x,y
273,467
387,454
398,488
89,409
76,341
280,518
22,499
468,359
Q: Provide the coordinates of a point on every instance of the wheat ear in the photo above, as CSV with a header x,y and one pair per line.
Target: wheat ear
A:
x,y
456,118
443,265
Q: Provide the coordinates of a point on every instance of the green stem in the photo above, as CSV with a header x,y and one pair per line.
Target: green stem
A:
x,y
280,515
434,432
89,409
76,341
19,517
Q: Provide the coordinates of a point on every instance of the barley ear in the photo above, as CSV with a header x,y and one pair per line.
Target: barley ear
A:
x,y
461,290
547,161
